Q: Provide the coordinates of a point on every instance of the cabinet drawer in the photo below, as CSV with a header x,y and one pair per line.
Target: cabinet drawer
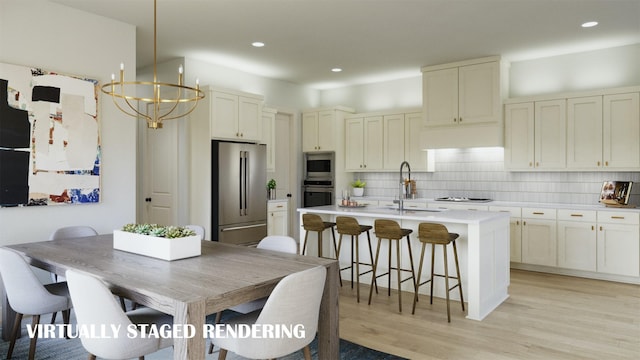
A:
x,y
514,211
577,215
534,213
277,206
619,217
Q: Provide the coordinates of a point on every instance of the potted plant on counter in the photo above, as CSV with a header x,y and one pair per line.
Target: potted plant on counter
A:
x,y
358,187
271,189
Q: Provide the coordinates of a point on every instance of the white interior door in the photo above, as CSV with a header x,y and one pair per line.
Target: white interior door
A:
x,y
160,178
285,157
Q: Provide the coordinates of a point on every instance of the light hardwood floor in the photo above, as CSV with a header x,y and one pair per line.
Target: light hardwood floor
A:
x,y
546,317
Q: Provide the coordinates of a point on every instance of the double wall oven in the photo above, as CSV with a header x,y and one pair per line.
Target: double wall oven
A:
x,y
318,185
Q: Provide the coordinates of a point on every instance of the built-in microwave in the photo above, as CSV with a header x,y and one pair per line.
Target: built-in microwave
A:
x,y
319,166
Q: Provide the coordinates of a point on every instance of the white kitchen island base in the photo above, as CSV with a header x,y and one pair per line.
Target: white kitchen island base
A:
x,y
483,250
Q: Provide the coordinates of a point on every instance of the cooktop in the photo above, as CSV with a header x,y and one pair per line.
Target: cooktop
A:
x,y
462,199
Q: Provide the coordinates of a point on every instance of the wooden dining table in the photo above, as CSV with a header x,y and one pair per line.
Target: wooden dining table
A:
x,y
224,275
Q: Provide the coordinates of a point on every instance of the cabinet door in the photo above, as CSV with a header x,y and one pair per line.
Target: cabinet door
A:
x,y
354,144
539,242
413,145
479,93
577,245
618,249
394,141
310,131
326,130
249,116
621,131
519,136
550,134
440,94
277,223
224,119
584,132
373,142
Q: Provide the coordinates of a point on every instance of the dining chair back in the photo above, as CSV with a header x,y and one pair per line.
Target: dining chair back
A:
x,y
69,232
285,244
27,295
293,304
95,306
199,230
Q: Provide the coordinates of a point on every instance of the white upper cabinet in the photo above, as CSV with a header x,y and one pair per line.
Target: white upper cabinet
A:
x,y
590,131
535,135
519,136
550,134
462,103
395,141
584,132
621,131
235,116
320,129
269,136
363,143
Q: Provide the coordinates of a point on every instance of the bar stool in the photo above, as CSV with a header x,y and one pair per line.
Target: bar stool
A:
x,y
389,229
313,222
437,234
346,225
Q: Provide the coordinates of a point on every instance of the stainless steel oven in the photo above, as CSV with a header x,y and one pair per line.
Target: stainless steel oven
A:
x,y
317,193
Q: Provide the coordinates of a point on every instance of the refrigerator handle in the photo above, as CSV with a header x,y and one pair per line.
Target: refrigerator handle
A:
x,y
247,177
240,177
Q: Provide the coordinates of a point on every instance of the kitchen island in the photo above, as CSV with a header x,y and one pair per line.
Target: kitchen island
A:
x,y
483,249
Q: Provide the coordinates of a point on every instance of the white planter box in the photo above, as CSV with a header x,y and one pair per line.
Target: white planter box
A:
x,y
157,247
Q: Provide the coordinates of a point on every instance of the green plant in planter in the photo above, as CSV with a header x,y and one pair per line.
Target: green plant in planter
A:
x,y
156,230
271,184
358,184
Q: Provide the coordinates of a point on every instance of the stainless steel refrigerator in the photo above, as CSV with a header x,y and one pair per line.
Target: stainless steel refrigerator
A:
x,y
239,192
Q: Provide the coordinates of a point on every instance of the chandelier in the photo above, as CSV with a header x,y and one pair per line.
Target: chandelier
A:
x,y
164,104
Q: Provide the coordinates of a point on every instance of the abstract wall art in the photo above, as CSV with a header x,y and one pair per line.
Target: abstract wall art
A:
x,y
49,138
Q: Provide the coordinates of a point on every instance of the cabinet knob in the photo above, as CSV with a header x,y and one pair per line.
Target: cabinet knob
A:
x,y
454,120
460,120
537,164
598,163
593,227
606,163
530,164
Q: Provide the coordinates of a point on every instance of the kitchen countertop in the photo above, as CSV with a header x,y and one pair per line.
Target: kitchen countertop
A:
x,y
433,215
430,201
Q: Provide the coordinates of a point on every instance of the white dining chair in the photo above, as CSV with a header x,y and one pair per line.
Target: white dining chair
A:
x,y
95,306
281,243
293,304
27,295
199,230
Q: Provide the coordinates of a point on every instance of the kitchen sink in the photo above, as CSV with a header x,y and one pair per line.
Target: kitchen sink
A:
x,y
412,209
463,199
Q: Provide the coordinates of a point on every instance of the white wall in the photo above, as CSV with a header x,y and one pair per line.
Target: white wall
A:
x,y
593,70
54,37
394,94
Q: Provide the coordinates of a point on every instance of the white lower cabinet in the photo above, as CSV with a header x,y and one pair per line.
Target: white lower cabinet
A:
x,y
539,240
277,214
618,243
577,239
515,230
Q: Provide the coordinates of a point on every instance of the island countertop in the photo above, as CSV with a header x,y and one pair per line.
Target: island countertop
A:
x,y
427,214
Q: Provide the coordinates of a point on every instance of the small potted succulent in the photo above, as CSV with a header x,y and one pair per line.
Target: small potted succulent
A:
x,y
271,189
358,187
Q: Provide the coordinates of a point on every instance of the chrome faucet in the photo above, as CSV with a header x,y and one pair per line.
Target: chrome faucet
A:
x,y
400,196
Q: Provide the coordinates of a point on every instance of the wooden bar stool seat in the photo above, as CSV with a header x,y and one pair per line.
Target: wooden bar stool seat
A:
x,y
346,225
313,222
437,234
390,230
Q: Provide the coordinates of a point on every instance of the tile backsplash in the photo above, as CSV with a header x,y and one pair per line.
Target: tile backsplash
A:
x,y
480,173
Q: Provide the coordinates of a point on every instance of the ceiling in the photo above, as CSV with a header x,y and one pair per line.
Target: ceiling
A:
x,y
371,40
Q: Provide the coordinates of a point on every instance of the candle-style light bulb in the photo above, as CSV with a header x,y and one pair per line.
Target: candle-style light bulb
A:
x,y
121,66
180,69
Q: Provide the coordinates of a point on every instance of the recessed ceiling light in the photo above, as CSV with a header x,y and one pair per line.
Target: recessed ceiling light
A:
x,y
257,44
589,24
336,69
